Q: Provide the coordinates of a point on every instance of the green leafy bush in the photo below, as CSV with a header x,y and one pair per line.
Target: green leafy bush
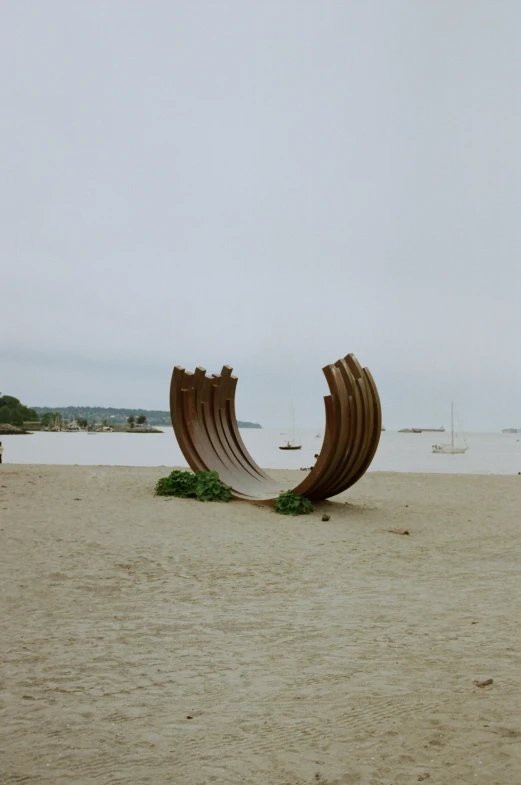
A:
x,y
289,503
209,488
205,486
177,483
14,412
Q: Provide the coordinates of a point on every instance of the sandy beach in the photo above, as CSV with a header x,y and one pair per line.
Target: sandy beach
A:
x,y
151,640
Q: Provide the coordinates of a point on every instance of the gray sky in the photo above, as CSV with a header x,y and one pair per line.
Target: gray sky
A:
x,y
269,185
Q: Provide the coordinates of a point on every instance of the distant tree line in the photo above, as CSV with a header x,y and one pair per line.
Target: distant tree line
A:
x,y
15,413
101,414
50,419
114,416
140,419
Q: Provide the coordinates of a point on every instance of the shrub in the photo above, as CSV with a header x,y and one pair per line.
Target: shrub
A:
x,y
205,486
177,483
209,488
14,412
289,503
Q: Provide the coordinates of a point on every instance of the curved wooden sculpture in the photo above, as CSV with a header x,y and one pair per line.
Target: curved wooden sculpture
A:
x,y
203,416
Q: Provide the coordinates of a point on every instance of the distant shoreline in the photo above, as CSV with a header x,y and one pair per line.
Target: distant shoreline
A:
x,y
13,430
114,416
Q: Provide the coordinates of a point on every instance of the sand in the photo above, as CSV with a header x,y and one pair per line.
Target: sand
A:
x,y
151,640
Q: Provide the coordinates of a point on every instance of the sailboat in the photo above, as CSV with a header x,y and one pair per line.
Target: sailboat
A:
x,y
290,445
450,449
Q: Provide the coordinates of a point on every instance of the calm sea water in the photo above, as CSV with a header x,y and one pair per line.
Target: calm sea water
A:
x,y
489,453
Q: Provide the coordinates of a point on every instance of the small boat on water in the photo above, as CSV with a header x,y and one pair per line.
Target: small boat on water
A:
x,y
421,430
450,449
290,446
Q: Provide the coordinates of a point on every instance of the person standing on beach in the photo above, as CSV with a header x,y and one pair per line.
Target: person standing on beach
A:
x,y
1,451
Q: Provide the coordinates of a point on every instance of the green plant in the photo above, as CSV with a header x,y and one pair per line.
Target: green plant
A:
x,y
205,486
14,412
177,483
289,503
209,488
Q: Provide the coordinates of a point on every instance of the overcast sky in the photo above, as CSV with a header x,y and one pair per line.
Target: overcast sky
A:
x,y
269,184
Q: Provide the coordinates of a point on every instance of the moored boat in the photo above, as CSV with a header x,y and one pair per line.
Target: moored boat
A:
x,y
290,446
452,448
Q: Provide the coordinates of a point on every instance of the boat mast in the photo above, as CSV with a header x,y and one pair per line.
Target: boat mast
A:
x,y
452,424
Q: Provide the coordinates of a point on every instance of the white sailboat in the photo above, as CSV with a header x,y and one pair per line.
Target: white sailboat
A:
x,y
291,444
450,449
